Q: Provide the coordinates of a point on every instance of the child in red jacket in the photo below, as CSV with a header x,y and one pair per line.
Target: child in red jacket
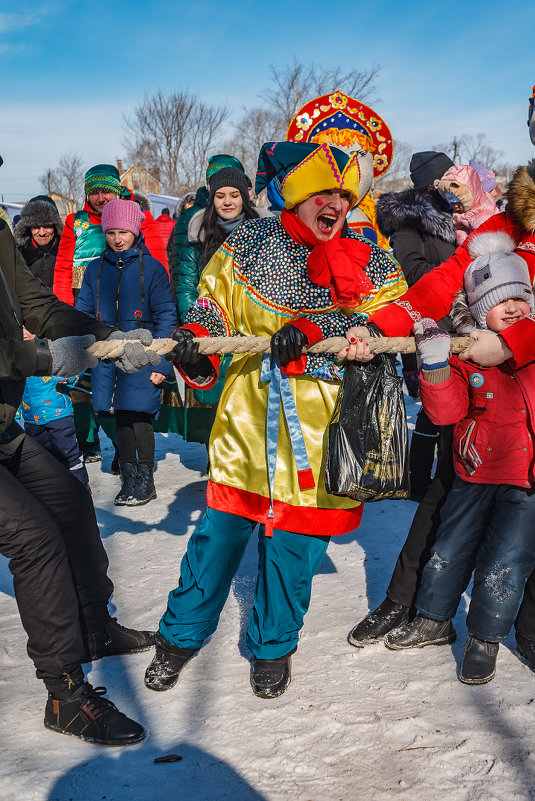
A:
x,y
488,521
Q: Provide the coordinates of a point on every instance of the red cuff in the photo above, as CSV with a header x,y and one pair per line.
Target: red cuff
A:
x,y
527,251
199,331
520,338
313,334
393,320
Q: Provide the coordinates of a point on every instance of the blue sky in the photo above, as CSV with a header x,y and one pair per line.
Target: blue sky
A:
x,y
70,70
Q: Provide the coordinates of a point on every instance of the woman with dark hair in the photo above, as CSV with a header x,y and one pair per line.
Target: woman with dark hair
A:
x,y
229,206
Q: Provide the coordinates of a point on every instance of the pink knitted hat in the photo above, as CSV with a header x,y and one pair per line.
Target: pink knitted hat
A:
x,y
122,214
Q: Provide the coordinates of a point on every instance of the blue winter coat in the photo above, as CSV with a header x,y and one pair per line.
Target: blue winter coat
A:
x,y
128,296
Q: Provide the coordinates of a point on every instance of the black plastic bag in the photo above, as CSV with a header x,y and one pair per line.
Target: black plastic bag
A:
x,y
367,458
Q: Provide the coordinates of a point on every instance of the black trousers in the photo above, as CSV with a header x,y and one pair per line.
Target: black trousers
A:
x,y
422,535
135,437
49,532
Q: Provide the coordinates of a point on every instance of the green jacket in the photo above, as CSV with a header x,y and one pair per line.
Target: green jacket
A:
x,y
180,238
25,301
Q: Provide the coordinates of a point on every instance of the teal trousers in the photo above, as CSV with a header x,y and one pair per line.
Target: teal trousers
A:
x,y
287,563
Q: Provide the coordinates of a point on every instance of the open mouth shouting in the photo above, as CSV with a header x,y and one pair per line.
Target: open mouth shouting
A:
x,y
325,212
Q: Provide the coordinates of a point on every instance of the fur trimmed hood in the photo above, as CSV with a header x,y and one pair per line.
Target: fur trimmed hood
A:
x,y
34,214
142,201
414,210
521,197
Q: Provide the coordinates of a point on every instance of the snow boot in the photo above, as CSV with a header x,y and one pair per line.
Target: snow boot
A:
x,y
479,662
128,472
271,677
86,714
526,648
168,661
385,618
144,489
420,632
116,639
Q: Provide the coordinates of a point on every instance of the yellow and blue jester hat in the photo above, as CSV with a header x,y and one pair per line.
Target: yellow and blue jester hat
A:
x,y
304,168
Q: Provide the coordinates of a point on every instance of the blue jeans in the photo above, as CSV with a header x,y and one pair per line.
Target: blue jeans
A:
x,y
488,529
287,563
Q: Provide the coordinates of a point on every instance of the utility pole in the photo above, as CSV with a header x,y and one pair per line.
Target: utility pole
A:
x,y
455,152
48,182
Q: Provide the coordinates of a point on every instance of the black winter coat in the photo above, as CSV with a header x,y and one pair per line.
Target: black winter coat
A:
x,y
41,262
420,230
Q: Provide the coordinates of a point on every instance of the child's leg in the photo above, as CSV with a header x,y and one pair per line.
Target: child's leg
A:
x,y
126,440
144,435
505,559
447,573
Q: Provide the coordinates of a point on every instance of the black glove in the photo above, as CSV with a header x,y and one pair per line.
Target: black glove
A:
x,y
287,344
186,351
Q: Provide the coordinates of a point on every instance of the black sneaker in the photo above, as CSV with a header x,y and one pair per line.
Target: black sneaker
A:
x,y
116,639
128,471
89,716
386,617
271,677
164,670
144,489
479,663
420,632
526,648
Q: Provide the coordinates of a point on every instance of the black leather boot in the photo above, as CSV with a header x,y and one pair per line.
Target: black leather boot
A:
x,y
144,489
128,471
164,670
116,639
479,663
86,714
385,618
271,677
420,632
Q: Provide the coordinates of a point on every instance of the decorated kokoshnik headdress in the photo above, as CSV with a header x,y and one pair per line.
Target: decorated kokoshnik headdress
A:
x,y
305,168
104,178
340,120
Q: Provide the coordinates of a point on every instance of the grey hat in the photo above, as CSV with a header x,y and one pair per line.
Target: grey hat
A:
x,y
495,275
427,167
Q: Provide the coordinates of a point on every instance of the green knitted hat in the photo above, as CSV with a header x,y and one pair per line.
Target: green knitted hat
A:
x,y
104,178
216,163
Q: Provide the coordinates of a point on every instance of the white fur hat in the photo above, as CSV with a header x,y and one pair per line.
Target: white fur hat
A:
x,y
495,275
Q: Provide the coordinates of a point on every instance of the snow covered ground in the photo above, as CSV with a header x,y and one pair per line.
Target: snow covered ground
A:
x,y
354,725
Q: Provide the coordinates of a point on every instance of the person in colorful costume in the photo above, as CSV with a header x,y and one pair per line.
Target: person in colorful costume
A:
x,y
432,296
297,279
340,120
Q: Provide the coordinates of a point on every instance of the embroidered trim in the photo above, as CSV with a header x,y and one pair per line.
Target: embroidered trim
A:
x,y
406,306
526,246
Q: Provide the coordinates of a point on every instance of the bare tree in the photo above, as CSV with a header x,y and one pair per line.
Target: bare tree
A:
x,y
66,181
257,125
398,175
294,84
464,147
173,132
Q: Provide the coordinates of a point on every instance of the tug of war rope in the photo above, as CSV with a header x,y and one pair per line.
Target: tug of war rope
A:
x,y
210,346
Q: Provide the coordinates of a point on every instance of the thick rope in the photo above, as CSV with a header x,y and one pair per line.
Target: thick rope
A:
x,y
211,345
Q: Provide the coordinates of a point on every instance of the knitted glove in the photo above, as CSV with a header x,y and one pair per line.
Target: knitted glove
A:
x,y
134,356
186,351
287,343
69,355
432,344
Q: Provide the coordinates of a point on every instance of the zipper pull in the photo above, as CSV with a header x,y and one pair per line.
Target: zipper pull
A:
x,y
120,262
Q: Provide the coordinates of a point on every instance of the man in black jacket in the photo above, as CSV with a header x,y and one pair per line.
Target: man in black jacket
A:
x,y
37,236
48,528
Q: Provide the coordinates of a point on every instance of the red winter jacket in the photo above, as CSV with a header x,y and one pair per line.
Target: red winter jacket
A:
x,y
494,412
62,286
166,225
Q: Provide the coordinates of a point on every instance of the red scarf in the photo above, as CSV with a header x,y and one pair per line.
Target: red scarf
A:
x,y
338,263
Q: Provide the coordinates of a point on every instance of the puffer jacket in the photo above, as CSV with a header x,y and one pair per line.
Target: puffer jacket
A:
x,y
464,182
24,301
132,291
180,231
47,398
493,409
